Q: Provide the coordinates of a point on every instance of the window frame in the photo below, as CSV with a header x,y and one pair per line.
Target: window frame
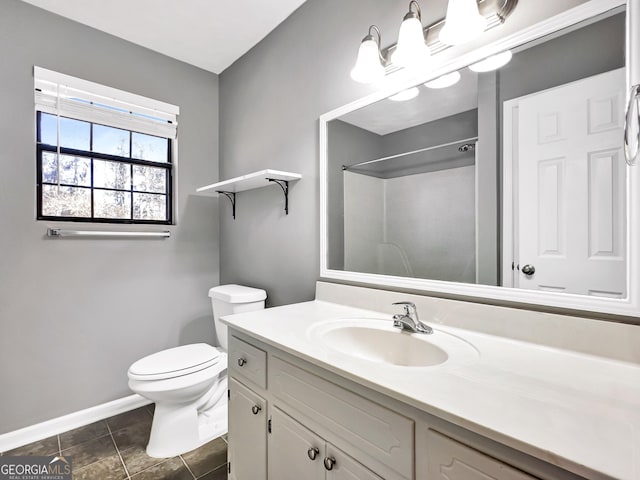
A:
x,y
168,166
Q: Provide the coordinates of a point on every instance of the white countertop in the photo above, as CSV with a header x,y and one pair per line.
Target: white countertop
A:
x,y
579,412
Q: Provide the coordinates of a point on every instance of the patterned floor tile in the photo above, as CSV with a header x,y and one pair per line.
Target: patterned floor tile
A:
x,y
48,446
172,469
132,417
219,473
207,458
92,451
109,468
83,434
136,435
137,460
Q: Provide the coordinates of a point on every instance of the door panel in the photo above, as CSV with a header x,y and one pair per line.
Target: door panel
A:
x,y
289,450
247,433
450,460
571,188
346,468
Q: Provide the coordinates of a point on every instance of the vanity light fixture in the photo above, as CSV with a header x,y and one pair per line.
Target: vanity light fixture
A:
x,y
368,67
444,81
412,49
416,44
405,95
462,23
492,63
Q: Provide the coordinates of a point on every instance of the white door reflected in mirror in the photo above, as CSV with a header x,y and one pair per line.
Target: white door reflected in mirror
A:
x,y
569,187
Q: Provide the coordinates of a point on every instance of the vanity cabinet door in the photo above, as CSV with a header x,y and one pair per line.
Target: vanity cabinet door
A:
x,y
451,460
247,433
295,453
345,467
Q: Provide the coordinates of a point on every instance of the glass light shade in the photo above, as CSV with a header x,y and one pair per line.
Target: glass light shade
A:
x,y
492,63
411,49
405,95
463,22
368,67
444,81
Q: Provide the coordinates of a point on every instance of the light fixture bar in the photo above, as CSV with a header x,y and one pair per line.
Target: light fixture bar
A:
x,y
495,11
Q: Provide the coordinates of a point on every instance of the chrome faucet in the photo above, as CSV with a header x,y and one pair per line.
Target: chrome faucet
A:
x,y
408,321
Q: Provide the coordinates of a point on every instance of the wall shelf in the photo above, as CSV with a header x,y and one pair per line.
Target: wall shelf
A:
x,y
250,181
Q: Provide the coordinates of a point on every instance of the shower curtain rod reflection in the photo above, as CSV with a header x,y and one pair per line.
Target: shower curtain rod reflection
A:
x,y
59,233
468,144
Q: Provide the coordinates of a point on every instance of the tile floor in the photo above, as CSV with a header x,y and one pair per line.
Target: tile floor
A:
x,y
114,449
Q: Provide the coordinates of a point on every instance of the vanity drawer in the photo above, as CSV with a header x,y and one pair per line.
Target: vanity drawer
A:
x,y
248,361
369,432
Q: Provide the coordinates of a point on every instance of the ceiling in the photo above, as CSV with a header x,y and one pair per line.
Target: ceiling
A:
x,y
210,34
387,116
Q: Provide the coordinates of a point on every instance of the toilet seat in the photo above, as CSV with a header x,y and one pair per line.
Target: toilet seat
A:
x,y
175,362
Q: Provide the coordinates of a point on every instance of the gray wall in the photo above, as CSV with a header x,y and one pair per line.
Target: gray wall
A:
x,y
364,228
443,130
348,145
270,101
589,51
487,175
74,314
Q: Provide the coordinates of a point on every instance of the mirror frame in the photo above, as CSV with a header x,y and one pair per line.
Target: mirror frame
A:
x,y
629,306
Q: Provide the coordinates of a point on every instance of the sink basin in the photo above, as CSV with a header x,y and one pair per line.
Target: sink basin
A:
x,y
377,341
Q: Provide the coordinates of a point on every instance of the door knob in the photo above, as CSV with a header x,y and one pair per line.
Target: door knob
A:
x,y
528,270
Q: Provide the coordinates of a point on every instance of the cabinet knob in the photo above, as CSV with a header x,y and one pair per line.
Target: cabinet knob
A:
x,y
313,453
256,409
242,362
329,463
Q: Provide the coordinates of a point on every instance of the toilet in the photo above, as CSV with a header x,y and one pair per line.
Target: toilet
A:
x,y
189,383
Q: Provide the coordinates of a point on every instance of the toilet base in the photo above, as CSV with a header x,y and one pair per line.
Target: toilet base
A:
x,y
179,430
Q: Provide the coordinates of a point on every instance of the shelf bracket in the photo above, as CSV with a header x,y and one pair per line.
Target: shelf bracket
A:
x,y
284,185
232,198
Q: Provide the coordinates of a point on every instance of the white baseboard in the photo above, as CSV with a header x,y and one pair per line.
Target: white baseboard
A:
x,y
36,432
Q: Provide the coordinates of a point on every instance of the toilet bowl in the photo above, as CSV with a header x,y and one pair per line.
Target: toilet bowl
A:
x,y
189,383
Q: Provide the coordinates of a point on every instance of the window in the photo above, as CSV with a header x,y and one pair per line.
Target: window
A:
x,y
103,155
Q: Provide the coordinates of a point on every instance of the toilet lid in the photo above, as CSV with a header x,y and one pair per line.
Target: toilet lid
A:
x,y
175,362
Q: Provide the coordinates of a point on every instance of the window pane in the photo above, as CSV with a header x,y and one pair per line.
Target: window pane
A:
x,y
73,133
109,204
112,141
66,201
48,129
73,170
111,174
49,167
149,179
149,207
147,147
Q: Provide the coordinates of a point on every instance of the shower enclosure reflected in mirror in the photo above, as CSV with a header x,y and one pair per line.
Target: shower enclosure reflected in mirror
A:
x,y
508,178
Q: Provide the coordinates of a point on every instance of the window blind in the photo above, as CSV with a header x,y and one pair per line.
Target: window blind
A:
x,y
71,97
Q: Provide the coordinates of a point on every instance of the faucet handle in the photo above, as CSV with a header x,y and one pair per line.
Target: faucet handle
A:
x,y
409,309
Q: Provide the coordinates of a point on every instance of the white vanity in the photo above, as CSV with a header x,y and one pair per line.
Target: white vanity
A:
x,y
304,408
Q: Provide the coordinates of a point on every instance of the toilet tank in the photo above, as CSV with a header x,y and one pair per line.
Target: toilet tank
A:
x,y
231,299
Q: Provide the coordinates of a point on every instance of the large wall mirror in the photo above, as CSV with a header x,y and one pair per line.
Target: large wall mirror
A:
x,y
508,184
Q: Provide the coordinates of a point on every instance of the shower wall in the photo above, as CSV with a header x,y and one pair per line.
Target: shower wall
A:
x,y
418,225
